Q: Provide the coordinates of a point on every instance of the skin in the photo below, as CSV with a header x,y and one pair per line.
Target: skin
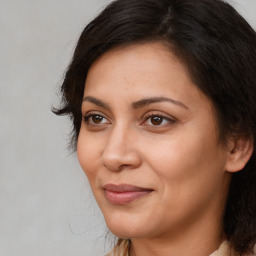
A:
x,y
179,157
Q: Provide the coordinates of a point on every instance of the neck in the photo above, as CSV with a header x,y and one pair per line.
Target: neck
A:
x,y
200,240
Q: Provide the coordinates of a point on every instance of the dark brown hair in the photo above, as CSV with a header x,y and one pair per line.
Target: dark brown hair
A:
x,y
218,48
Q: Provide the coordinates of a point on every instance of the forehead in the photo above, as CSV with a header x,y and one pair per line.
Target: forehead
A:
x,y
141,70
148,62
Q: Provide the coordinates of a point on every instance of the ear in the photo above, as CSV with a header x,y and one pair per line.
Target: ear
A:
x,y
239,153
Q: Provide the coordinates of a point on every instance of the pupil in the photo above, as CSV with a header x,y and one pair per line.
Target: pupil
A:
x,y
156,120
97,119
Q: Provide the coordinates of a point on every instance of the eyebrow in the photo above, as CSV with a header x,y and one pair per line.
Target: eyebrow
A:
x,y
148,101
138,104
97,102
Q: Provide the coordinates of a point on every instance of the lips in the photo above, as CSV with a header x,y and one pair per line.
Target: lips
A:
x,y
124,193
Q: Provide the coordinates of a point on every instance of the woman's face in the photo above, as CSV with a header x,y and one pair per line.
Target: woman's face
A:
x,y
149,144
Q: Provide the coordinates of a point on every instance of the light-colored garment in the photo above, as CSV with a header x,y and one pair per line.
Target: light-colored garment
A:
x,y
122,249
225,250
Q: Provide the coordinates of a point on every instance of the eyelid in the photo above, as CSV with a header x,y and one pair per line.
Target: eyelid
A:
x,y
169,118
94,112
150,114
89,114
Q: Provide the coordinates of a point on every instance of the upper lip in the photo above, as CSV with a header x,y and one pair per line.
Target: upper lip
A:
x,y
124,188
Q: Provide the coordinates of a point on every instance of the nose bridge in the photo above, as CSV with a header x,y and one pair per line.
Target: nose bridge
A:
x,y
120,150
117,137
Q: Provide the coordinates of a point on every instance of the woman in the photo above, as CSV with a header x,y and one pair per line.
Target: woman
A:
x,y
162,94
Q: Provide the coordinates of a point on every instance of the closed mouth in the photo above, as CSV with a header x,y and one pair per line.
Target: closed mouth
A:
x,y
124,193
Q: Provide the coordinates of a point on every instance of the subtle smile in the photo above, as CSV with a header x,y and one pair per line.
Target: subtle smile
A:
x,y
124,193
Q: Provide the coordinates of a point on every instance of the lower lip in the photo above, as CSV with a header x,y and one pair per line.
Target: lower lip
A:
x,y
124,197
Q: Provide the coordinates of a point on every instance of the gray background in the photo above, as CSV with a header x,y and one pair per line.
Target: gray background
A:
x,y
46,207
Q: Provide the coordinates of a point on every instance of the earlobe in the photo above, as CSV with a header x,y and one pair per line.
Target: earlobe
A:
x,y
239,153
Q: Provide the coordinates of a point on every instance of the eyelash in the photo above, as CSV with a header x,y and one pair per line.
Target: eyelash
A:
x,y
89,116
169,120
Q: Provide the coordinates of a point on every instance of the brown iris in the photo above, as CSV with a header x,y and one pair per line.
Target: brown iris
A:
x,y
156,120
97,119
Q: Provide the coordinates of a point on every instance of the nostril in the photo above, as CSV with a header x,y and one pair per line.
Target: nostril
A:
x,y
116,167
127,161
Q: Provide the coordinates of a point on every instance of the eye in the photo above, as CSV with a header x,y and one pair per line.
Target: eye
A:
x,y
158,120
95,119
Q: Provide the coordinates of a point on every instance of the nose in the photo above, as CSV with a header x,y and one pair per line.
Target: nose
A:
x,y
121,150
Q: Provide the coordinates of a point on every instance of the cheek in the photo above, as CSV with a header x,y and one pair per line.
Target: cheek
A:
x,y
189,172
88,154
187,161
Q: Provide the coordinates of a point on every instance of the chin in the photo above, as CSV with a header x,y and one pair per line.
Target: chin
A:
x,y
126,227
